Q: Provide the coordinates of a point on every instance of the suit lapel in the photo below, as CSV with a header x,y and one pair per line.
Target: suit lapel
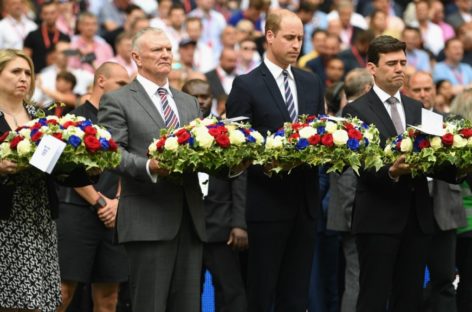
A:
x,y
411,114
300,94
377,107
182,107
274,91
146,103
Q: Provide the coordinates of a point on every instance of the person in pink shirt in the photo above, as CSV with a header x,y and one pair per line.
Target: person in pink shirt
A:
x,y
437,16
93,50
123,53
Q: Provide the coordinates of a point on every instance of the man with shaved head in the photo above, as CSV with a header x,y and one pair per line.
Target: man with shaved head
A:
x,y
160,223
85,230
281,208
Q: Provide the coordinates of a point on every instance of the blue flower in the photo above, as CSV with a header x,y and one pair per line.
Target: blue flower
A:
x,y
43,121
191,141
280,132
33,132
366,142
365,126
104,144
85,124
220,123
250,139
302,144
74,141
321,130
353,144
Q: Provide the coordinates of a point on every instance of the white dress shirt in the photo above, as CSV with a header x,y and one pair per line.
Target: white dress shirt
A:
x,y
13,32
276,72
384,96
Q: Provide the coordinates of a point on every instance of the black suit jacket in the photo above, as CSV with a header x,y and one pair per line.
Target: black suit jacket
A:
x,y
216,86
257,96
225,206
381,205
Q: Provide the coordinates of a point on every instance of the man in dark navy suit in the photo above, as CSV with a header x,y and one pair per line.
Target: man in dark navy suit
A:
x,y
280,209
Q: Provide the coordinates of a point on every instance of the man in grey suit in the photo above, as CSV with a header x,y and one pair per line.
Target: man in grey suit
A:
x,y
160,223
341,201
449,214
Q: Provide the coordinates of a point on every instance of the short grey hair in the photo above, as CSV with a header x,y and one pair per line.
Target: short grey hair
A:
x,y
462,104
356,82
135,44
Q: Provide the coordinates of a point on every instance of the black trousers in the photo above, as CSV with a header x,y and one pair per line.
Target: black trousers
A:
x,y
464,266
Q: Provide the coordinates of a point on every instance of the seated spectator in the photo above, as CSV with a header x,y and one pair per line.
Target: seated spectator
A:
x,y
464,33
248,58
318,38
62,94
345,11
201,61
416,57
331,49
437,17
378,23
160,20
112,14
15,25
40,43
356,19
334,71
462,15
67,19
444,89
175,28
452,68
430,32
93,49
244,30
133,12
123,53
252,14
356,56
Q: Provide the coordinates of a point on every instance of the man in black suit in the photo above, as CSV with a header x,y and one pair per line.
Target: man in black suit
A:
x,y
281,209
393,212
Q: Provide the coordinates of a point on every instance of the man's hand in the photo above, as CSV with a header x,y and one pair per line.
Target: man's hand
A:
x,y
8,167
399,168
155,169
237,239
107,214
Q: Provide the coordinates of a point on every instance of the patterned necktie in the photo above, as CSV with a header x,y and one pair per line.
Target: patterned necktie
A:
x,y
395,115
289,98
170,117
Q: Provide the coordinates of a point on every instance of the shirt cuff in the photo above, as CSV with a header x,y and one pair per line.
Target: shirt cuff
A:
x,y
392,178
153,177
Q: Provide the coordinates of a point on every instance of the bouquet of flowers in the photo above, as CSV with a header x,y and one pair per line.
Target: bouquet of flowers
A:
x,y
425,151
206,145
319,140
87,145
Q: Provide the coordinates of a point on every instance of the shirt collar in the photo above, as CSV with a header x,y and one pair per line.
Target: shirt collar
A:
x,y
276,70
151,87
384,96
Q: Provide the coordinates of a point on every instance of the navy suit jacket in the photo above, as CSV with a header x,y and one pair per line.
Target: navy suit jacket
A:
x,y
257,96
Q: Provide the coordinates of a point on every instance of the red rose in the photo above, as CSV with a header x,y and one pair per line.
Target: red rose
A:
x,y
298,125
91,143
310,118
180,132
89,130
15,141
294,136
183,138
113,145
411,133
348,126
447,139
160,144
466,133
223,141
424,144
36,125
314,139
52,121
37,136
354,134
214,131
57,135
327,140
398,146
67,124
4,136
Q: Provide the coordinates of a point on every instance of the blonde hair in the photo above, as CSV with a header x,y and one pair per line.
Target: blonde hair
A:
x,y
8,55
462,104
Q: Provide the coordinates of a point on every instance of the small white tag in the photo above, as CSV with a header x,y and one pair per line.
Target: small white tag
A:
x,y
235,119
431,123
203,179
47,153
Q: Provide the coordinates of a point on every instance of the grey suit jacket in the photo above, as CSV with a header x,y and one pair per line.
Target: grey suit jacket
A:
x,y
341,200
148,211
449,210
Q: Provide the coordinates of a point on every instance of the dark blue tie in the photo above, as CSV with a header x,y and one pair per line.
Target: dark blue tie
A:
x,y
170,117
289,98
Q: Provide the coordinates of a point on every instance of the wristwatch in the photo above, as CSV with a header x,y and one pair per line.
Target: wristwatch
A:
x,y
101,202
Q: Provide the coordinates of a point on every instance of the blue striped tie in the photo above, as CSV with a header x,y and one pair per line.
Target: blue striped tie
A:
x,y
289,98
170,117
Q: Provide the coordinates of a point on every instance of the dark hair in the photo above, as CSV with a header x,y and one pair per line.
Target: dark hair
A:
x,y
411,28
439,84
363,36
333,97
448,42
383,44
317,31
67,76
131,8
176,6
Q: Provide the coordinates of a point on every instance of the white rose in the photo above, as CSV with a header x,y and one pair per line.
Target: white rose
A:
x,y
200,130
44,129
171,144
459,141
236,137
259,138
450,128
80,118
204,139
152,148
436,143
24,147
369,136
340,137
331,127
388,150
5,149
406,145
66,118
307,132
73,131
208,121
52,117
274,142
103,133
25,133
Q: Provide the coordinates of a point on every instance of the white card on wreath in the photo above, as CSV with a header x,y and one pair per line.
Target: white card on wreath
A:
x,y
47,153
431,123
